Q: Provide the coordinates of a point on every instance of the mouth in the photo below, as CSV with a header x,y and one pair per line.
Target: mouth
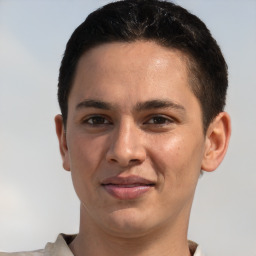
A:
x,y
127,188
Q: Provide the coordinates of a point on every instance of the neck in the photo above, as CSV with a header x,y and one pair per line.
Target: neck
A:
x,y
169,239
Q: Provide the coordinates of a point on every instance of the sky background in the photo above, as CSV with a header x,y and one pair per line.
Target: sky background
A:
x,y
37,200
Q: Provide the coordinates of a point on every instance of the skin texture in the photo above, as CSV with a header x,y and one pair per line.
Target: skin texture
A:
x,y
131,113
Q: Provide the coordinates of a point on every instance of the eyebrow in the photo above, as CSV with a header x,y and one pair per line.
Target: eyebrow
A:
x,y
156,104
140,106
94,104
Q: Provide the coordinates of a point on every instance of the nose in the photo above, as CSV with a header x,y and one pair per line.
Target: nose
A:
x,y
126,147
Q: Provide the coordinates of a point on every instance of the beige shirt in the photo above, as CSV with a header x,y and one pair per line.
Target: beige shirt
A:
x,y
60,248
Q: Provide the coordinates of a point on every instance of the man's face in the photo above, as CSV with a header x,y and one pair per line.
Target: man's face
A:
x,y
134,139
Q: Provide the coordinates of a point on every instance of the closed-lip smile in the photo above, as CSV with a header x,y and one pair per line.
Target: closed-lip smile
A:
x,y
127,188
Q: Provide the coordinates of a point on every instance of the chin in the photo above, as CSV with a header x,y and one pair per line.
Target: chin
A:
x,y
128,222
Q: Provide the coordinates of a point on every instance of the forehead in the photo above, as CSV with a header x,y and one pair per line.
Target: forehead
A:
x,y
136,71
134,56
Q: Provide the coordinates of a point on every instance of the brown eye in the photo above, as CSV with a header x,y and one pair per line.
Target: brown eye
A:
x,y
159,120
96,120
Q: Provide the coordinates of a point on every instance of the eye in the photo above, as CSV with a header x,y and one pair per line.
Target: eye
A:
x,y
96,120
159,120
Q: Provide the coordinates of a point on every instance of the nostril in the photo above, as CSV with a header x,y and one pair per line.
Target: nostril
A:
x,y
113,160
135,161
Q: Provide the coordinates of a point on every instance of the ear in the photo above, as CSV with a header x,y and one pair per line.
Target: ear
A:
x,y
60,131
216,144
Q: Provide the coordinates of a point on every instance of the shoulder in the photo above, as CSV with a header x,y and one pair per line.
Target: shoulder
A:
x,y
195,249
31,253
198,252
58,248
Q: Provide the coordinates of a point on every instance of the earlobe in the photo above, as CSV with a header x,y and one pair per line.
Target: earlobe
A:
x,y
216,144
60,131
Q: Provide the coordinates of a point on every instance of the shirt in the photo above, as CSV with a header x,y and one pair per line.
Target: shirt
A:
x,y
60,248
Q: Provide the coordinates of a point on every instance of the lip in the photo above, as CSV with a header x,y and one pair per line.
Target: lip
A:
x,y
127,188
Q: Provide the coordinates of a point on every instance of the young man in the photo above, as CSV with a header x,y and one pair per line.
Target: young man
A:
x,y
142,89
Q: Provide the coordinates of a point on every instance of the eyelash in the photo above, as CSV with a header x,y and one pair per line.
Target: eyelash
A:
x,y
90,120
158,120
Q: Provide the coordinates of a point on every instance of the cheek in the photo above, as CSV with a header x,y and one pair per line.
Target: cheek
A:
x,y
85,155
178,158
86,152
167,152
